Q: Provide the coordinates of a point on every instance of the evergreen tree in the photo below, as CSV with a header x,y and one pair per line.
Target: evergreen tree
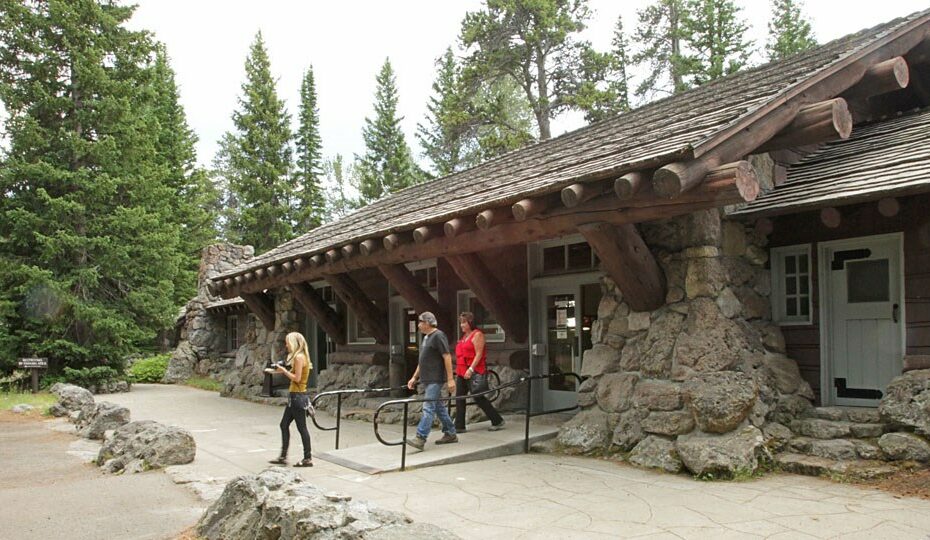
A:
x,y
501,118
446,137
310,208
618,90
534,43
341,182
387,165
716,42
659,37
90,252
256,161
789,31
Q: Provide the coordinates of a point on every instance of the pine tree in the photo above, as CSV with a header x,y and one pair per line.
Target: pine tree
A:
x,y
534,43
617,91
446,136
501,116
256,161
789,31
90,252
659,36
341,182
715,38
387,165
310,207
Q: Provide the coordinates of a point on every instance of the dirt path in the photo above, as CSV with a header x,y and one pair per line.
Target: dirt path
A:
x,y
46,493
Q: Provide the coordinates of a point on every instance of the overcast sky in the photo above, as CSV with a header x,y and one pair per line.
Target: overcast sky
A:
x,y
347,41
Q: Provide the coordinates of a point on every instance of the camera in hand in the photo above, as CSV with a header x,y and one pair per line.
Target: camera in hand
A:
x,y
273,367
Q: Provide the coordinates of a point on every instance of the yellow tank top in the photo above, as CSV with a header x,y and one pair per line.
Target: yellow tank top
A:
x,y
301,385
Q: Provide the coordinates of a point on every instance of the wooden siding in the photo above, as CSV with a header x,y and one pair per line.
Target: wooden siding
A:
x,y
803,342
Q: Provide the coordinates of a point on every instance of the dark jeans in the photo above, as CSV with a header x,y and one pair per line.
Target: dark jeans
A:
x,y
461,389
295,411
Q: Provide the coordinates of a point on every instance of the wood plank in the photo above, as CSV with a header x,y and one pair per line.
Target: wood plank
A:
x,y
510,313
322,313
371,316
404,282
627,260
262,305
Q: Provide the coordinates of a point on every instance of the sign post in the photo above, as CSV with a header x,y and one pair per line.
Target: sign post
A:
x,y
34,365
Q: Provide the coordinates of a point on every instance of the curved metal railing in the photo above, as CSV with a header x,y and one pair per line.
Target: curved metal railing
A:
x,y
527,380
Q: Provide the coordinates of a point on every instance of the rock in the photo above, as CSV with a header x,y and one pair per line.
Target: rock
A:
x,y
629,429
145,445
700,252
615,391
866,431
829,448
784,371
22,408
674,294
607,306
776,435
906,402
710,341
105,416
836,414
821,429
587,431
867,450
71,398
701,228
721,456
181,365
586,394
598,360
772,337
789,408
728,303
657,395
862,415
756,255
668,422
734,238
638,320
705,277
905,446
720,401
656,453
278,504
651,352
755,306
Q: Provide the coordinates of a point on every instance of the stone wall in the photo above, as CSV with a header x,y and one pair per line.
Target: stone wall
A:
x,y
201,341
702,383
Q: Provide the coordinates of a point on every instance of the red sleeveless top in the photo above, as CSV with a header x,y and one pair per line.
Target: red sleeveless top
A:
x,y
465,355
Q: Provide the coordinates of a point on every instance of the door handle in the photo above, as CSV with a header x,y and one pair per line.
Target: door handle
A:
x,y
895,309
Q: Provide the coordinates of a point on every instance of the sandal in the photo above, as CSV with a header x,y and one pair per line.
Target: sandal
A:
x,y
281,460
306,462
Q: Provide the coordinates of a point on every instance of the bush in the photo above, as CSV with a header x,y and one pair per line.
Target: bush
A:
x,y
204,383
149,370
90,376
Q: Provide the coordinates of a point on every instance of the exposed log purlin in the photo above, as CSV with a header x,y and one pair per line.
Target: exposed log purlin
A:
x,y
489,218
492,294
888,76
629,184
262,306
372,318
426,232
316,261
457,226
820,122
324,315
627,260
333,255
527,208
576,194
404,282
367,247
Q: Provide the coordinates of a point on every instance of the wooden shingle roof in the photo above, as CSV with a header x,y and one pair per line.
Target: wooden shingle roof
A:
x,y
879,160
673,129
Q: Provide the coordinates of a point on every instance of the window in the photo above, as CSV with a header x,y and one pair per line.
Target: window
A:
x,y
232,332
568,257
358,334
493,332
791,284
424,272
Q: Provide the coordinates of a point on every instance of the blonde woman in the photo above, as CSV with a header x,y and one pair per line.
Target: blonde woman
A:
x,y
298,399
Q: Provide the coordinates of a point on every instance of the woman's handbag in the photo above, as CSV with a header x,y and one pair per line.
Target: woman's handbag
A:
x,y
478,383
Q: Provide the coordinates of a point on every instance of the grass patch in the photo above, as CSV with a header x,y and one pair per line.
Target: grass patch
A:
x,y
41,401
204,383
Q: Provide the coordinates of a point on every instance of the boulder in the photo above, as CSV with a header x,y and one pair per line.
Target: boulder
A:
x,y
182,363
615,391
656,453
71,398
905,446
586,432
629,429
784,371
104,417
710,341
776,435
657,395
277,503
22,408
721,456
790,407
143,445
906,402
651,353
668,422
705,277
720,401
728,303
598,360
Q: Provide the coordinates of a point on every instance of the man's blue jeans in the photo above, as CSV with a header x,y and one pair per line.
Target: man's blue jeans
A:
x,y
431,408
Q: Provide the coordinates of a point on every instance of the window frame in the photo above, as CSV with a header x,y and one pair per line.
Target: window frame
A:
x,y
352,327
779,295
537,256
462,298
232,332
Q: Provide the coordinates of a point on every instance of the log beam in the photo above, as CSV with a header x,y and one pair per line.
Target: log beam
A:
x,y
576,194
262,306
325,316
492,294
403,281
395,240
888,76
626,258
817,123
527,208
491,217
333,255
348,251
367,247
457,226
427,232
629,184
371,316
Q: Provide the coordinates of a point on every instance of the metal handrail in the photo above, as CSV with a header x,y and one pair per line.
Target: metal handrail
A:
x,y
339,394
527,379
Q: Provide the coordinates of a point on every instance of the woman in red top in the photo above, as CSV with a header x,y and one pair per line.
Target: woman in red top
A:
x,y
471,372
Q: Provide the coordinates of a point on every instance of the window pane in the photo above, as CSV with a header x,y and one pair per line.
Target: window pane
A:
x,y
483,318
579,256
791,285
805,284
791,266
805,306
791,306
867,281
802,264
554,259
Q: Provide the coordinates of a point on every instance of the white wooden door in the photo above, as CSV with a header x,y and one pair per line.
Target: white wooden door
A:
x,y
864,315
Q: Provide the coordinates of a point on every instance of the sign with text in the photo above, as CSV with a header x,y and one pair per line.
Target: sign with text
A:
x,y
34,363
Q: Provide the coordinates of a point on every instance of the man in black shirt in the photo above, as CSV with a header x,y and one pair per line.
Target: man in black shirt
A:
x,y
434,368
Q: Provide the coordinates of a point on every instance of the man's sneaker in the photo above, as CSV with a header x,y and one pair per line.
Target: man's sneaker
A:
x,y
497,427
448,438
417,442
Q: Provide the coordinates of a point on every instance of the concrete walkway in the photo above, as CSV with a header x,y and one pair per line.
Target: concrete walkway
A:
x,y
535,496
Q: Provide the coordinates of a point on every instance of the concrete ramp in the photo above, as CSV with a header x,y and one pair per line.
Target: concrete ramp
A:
x,y
476,444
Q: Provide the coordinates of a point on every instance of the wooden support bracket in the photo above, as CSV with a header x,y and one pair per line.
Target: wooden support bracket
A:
x,y
262,305
492,294
324,315
627,260
371,316
401,279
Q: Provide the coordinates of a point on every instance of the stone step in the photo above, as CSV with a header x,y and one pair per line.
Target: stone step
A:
x,y
820,428
859,415
839,449
860,469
